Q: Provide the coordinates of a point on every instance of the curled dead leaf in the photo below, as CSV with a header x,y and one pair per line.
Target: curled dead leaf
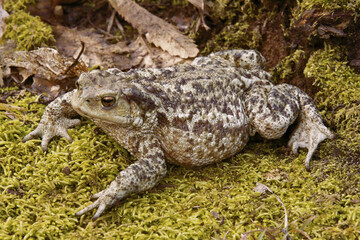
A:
x,y
318,23
42,71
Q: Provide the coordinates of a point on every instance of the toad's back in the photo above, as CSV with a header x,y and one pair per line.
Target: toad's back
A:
x,y
196,110
201,116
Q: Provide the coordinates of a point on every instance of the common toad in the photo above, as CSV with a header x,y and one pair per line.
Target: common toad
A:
x,y
189,114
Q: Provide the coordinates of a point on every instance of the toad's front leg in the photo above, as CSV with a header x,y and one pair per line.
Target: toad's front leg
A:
x,y
138,177
56,120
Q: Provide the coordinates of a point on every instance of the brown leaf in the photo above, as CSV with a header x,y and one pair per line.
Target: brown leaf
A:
x,y
152,56
355,201
1,78
156,30
42,71
200,4
97,50
120,55
326,31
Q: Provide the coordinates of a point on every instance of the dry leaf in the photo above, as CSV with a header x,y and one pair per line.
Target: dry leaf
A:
x,y
156,30
200,4
152,56
244,236
99,52
262,188
42,71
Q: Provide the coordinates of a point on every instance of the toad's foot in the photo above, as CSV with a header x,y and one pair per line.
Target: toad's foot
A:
x,y
308,134
48,130
55,121
105,198
138,177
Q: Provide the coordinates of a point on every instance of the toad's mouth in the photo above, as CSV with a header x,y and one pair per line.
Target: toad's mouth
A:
x,y
75,103
79,111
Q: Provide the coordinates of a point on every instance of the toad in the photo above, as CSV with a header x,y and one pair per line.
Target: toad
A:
x,y
189,114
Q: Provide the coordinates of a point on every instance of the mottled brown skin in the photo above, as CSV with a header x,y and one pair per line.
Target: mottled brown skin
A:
x,y
190,114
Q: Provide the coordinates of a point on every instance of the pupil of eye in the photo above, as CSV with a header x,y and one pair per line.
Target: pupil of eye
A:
x,y
108,101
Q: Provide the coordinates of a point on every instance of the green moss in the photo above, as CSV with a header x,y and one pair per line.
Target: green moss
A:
x,y
338,101
27,31
231,37
285,68
230,10
238,33
17,5
304,5
340,86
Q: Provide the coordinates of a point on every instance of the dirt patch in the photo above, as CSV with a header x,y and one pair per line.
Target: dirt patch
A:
x,y
274,46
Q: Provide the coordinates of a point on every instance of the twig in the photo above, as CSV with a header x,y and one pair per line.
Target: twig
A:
x,y
262,188
99,29
111,21
207,28
120,27
76,61
142,40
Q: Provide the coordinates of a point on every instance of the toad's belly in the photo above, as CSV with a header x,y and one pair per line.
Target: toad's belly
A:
x,y
205,144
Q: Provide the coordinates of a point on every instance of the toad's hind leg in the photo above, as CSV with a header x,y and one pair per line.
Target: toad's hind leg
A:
x,y
272,109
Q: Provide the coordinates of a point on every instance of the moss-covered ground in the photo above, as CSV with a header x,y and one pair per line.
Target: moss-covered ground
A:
x,y
40,192
28,31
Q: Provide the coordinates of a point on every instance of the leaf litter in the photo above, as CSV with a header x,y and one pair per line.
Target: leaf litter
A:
x,y
154,43
43,70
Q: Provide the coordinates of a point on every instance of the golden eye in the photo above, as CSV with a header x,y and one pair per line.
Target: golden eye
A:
x,y
108,101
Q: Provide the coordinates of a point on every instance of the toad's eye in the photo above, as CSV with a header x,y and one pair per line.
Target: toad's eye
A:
x,y
108,101
77,85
